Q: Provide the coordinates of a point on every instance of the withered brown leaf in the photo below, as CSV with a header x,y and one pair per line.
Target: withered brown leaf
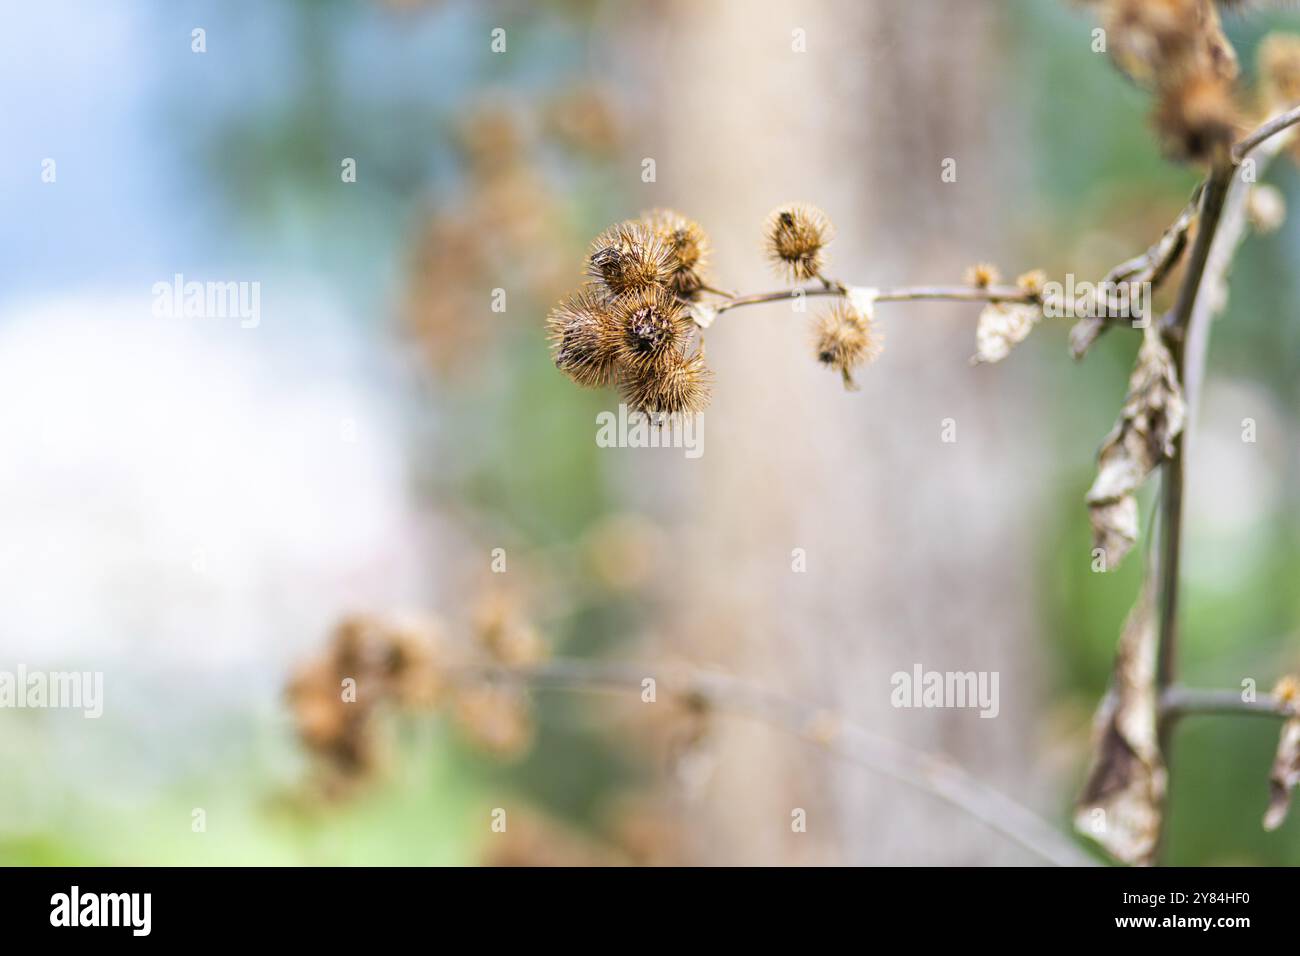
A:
x,y
1285,773
1122,801
1150,421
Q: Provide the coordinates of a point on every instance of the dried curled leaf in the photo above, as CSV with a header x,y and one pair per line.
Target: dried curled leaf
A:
x,y
1122,801
1150,421
1285,774
1114,528
1002,326
702,314
1152,267
1084,333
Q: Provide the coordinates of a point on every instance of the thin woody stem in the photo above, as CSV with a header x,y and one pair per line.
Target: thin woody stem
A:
x,y
1178,702
930,773
705,287
1152,266
1277,124
1178,325
1221,226
955,293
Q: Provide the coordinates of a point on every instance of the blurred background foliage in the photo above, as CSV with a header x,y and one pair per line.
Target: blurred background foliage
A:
x,y
478,171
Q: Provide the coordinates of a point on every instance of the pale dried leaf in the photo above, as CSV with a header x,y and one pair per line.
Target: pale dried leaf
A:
x,y
1150,421
702,314
1122,802
1265,208
1114,528
1095,313
1150,267
862,300
1002,326
1084,332
1284,776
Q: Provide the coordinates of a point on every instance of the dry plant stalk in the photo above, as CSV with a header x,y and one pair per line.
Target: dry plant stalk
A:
x,y
1176,49
639,324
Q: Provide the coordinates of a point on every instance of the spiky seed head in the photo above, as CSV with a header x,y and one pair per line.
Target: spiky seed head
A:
x,y
495,717
1279,70
505,633
627,257
844,340
584,338
1032,282
796,236
1287,689
652,326
689,245
1197,119
1149,39
678,385
982,275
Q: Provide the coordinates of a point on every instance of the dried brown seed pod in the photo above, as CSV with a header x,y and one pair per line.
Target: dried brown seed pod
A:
x,y
845,339
677,386
414,663
1160,43
326,724
504,633
584,339
796,236
689,245
982,275
494,717
628,257
653,328
1032,282
1145,36
1279,70
1197,119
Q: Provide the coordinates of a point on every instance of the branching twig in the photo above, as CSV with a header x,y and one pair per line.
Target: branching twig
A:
x,y
1277,124
1152,266
902,294
933,774
1178,325
1221,229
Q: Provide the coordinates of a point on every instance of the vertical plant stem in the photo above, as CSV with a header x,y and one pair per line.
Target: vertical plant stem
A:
x,y
1186,328
1179,331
